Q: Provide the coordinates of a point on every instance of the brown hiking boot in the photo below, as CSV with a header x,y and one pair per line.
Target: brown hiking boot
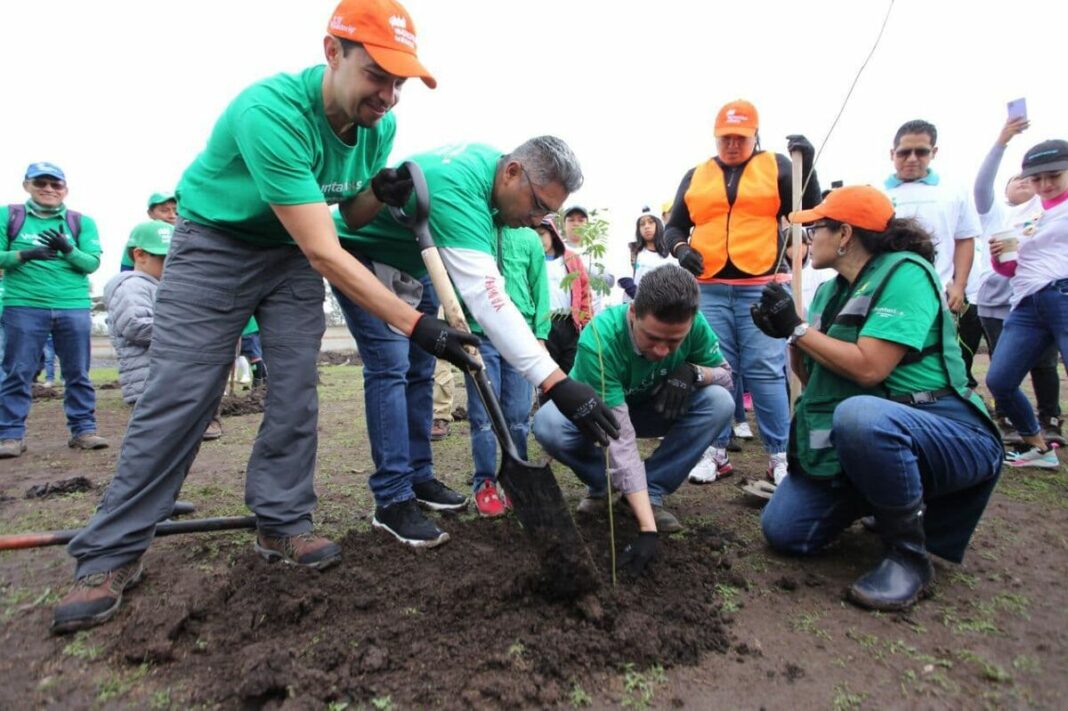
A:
x,y
304,549
87,440
439,430
95,598
214,430
11,448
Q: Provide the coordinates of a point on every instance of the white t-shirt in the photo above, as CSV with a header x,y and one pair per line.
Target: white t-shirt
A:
x,y
948,213
648,261
1043,253
559,298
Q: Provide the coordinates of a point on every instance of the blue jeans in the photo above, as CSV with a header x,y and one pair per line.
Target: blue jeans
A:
x,y
515,395
251,347
756,359
3,345
48,358
398,391
891,455
27,329
685,440
1037,321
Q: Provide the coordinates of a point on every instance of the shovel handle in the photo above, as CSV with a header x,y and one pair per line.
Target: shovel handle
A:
x,y
419,224
167,528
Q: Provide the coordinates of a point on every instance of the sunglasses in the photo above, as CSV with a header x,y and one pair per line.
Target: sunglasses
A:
x,y
918,152
46,183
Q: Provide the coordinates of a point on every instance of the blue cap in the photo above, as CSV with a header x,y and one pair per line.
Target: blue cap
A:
x,y
38,169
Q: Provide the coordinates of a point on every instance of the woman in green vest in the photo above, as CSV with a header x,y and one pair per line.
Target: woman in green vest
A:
x,y
886,424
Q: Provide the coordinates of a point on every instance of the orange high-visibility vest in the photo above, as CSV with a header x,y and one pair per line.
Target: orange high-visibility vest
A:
x,y
745,233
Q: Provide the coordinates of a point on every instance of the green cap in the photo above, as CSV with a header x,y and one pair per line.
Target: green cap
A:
x,y
158,198
154,237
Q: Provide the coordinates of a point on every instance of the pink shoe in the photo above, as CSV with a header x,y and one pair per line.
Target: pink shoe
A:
x,y
747,402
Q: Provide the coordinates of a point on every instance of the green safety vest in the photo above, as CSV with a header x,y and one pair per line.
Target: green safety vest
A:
x,y
810,449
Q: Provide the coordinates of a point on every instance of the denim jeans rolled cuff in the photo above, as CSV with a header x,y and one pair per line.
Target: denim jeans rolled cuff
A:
x,y
514,394
398,381
27,329
565,443
1039,320
757,360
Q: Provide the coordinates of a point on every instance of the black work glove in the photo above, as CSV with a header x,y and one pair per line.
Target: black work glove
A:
x,y
797,142
442,340
392,186
690,259
639,554
760,319
579,403
54,240
673,393
628,286
28,255
778,307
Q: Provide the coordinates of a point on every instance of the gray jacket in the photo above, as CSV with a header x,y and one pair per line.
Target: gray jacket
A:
x,y
129,298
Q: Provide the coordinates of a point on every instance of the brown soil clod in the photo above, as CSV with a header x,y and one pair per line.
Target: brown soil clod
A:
x,y
63,486
249,404
40,392
340,358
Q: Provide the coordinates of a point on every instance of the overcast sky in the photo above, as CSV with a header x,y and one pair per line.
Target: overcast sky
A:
x,y
123,95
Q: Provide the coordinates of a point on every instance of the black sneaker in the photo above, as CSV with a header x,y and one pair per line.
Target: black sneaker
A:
x,y
1051,431
409,525
434,495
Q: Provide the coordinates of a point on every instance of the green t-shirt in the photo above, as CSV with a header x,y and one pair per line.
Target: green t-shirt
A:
x,y
522,264
273,145
628,377
60,283
460,181
251,327
906,312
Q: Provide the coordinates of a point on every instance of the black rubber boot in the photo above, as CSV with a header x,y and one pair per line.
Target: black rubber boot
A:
x,y
259,374
905,571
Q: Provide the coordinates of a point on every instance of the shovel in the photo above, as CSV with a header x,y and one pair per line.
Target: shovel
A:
x,y
536,497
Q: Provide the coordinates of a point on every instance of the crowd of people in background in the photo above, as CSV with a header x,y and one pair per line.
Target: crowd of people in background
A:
x,y
903,281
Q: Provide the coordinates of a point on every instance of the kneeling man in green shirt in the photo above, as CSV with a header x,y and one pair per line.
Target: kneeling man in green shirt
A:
x,y
658,366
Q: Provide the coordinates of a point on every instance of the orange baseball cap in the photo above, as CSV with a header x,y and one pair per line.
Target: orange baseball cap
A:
x,y
859,205
386,31
738,118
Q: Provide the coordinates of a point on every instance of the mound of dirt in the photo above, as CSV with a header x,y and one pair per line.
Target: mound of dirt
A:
x,y
247,404
340,358
113,385
444,628
40,392
63,486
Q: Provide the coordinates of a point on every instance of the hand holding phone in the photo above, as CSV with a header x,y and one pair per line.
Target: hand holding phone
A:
x,y
1018,109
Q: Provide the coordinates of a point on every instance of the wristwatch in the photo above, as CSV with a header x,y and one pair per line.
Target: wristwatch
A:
x,y
699,374
799,330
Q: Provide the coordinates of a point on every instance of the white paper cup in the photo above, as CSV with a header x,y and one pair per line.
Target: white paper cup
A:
x,y
1010,245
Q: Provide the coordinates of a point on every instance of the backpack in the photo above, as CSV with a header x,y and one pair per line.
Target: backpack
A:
x,y
16,218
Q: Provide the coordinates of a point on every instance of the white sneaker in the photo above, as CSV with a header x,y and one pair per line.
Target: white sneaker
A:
x,y
1034,458
714,465
743,431
777,467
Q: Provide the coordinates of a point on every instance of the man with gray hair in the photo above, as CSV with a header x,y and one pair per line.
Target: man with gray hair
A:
x,y
658,365
476,191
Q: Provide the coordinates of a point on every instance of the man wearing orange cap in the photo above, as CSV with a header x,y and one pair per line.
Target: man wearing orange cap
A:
x,y
887,424
724,227
255,236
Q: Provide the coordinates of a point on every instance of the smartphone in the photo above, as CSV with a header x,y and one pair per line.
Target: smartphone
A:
x,y
1017,109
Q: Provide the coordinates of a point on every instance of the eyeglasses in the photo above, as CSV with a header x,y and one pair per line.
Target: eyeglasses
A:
x,y
540,208
811,230
43,183
918,152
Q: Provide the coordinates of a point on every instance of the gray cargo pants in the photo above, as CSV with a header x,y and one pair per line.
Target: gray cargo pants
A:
x,y
212,284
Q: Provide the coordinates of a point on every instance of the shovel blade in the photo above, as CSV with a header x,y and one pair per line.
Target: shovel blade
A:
x,y
567,567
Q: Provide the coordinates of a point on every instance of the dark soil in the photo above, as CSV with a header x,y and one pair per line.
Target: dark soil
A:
x,y
340,358
249,403
460,626
64,486
113,385
40,392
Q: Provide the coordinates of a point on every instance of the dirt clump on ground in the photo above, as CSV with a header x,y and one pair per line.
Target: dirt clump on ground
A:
x,y
113,385
63,486
250,403
40,392
464,625
340,358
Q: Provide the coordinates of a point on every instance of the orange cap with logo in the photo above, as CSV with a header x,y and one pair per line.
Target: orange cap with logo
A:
x,y
859,205
387,33
738,118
